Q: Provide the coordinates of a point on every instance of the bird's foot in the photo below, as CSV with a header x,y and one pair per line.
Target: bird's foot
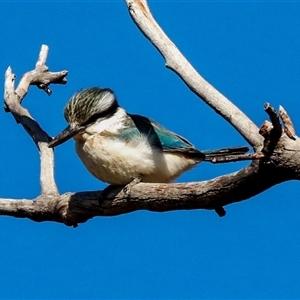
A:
x,y
127,188
112,190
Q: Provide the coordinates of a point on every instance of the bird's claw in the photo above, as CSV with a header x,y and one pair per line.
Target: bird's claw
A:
x,y
127,188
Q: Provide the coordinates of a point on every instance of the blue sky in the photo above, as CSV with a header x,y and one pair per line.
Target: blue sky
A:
x,y
250,52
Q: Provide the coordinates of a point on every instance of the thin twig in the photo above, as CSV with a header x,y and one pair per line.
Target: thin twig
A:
x,y
40,76
41,62
274,118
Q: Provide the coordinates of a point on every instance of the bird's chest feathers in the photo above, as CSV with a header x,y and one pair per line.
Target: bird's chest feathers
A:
x,y
113,160
108,149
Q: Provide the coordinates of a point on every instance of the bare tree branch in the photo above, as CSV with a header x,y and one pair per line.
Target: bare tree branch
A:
x,y
74,208
278,162
41,77
141,15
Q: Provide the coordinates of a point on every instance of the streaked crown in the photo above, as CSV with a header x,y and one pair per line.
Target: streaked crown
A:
x,y
90,104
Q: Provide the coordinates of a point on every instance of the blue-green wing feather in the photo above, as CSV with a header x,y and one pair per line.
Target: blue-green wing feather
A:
x,y
160,137
171,141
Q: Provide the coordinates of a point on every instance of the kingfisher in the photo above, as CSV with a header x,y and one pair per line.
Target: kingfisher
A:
x,y
119,148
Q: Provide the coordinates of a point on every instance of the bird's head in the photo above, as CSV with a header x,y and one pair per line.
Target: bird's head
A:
x,y
84,109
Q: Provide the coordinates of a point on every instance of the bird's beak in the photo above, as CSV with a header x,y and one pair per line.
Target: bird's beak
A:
x,y
65,135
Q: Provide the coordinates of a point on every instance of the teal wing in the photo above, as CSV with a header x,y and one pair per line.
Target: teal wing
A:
x,y
171,141
158,136
168,141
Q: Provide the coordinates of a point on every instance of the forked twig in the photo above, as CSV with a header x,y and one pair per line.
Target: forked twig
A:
x,y
41,77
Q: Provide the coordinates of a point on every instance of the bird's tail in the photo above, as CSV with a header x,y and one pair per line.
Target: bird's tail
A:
x,y
220,154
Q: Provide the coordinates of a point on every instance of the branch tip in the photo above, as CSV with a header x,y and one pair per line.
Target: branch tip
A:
x,y
45,88
289,129
42,56
271,131
276,131
221,212
8,71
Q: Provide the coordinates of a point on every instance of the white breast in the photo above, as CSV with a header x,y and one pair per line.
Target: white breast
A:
x,y
119,163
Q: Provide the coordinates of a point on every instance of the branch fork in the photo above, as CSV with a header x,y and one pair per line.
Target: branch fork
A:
x,y
41,77
272,130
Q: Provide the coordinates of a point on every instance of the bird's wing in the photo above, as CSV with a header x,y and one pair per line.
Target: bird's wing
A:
x,y
158,136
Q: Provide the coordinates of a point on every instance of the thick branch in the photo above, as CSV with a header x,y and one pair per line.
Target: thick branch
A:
x,y
74,208
141,15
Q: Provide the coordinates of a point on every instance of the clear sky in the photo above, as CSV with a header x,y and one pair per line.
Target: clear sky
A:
x,y
250,52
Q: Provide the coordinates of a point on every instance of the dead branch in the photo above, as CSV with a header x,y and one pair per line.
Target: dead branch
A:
x,y
142,17
74,208
41,77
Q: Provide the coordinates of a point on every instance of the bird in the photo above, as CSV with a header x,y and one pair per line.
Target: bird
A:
x,y
120,148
